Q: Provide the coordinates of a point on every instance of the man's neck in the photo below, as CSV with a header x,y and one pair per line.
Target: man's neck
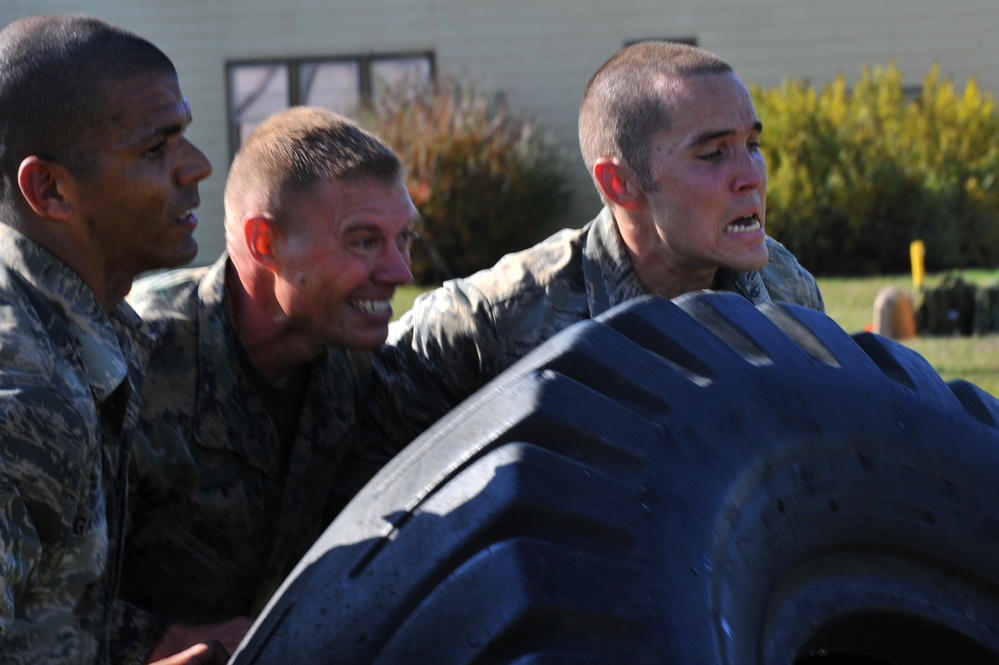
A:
x,y
659,273
108,283
279,356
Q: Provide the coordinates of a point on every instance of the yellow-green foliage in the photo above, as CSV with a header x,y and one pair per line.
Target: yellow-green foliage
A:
x,y
485,179
857,174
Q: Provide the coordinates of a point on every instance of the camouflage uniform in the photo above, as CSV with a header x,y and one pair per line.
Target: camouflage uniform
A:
x,y
219,514
69,375
460,336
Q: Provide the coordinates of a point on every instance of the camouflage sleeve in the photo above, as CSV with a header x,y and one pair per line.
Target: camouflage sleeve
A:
x,y
20,549
441,351
40,493
787,280
43,438
134,633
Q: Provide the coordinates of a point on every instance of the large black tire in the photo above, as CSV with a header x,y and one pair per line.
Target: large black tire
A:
x,y
693,482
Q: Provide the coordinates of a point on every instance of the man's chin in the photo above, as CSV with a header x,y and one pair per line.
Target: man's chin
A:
x,y
182,255
750,261
163,261
368,340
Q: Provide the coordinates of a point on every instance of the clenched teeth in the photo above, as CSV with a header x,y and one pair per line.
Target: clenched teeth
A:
x,y
372,306
747,224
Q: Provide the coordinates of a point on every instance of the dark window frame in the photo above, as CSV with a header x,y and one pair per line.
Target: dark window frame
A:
x,y
293,67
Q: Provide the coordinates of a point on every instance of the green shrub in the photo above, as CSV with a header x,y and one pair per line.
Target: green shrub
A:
x,y
856,175
486,179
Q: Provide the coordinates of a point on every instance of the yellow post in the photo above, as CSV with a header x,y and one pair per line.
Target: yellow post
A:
x,y
917,252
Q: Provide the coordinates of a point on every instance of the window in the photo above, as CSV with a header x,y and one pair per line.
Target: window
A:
x,y
258,89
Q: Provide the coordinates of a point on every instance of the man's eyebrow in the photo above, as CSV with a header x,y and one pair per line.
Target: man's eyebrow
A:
x,y
365,225
167,130
708,137
171,129
361,226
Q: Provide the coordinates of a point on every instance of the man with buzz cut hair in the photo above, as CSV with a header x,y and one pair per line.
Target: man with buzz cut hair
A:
x,y
258,364
97,184
670,137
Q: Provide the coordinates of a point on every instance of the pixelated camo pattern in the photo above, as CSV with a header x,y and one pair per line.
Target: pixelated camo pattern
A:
x,y
217,503
69,376
463,334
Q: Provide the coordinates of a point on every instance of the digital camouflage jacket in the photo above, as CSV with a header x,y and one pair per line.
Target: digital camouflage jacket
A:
x,y
220,514
69,380
458,337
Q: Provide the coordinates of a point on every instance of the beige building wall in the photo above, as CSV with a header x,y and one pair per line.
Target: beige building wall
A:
x,y
542,51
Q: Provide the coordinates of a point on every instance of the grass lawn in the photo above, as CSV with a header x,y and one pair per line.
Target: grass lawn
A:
x,y
850,302
404,298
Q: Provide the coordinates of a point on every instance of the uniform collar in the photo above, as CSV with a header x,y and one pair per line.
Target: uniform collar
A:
x,y
226,401
607,270
747,284
97,336
611,279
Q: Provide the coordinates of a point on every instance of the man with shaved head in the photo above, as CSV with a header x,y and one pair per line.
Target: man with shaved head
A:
x,y
670,137
97,184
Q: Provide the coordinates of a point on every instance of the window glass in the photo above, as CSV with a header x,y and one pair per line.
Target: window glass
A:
x,y
260,89
332,85
387,73
257,92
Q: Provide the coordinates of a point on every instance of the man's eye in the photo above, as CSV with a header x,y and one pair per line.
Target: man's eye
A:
x,y
366,243
711,156
156,150
407,237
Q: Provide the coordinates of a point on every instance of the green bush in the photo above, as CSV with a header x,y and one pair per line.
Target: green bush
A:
x,y
486,179
856,175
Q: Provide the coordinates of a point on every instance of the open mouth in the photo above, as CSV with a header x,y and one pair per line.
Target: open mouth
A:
x,y
371,306
187,218
745,224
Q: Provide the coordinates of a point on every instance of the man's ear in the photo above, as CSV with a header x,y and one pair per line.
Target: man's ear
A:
x,y
47,186
617,183
260,235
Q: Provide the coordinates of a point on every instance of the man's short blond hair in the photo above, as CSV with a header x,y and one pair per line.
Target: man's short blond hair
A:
x,y
294,149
